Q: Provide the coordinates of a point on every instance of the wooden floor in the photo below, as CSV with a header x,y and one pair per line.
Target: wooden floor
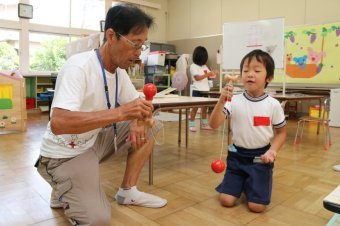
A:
x,y
303,176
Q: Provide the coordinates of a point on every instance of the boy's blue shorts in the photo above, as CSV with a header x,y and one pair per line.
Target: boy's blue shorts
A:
x,y
243,175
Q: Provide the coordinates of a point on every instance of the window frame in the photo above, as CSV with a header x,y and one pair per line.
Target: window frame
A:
x,y
24,27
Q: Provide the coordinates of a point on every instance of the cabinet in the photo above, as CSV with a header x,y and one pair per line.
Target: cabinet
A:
x,y
170,62
37,88
161,81
150,71
154,46
334,114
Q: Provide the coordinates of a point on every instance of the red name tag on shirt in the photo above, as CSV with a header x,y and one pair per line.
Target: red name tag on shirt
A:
x,y
261,121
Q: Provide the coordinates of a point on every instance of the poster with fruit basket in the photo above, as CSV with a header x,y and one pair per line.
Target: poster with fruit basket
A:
x,y
312,54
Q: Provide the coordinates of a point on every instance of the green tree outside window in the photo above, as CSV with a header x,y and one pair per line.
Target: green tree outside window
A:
x,y
51,56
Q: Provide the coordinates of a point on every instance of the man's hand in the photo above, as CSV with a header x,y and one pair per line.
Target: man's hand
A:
x,y
137,135
137,109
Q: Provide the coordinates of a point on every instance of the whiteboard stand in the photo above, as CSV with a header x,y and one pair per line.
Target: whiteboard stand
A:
x,y
284,71
284,80
220,62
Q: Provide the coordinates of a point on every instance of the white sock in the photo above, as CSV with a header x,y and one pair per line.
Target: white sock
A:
x,y
132,196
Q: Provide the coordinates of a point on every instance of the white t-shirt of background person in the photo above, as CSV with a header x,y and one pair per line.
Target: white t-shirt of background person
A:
x,y
202,85
253,119
80,87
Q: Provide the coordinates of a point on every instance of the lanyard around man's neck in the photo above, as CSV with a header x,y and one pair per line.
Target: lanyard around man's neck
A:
x,y
106,88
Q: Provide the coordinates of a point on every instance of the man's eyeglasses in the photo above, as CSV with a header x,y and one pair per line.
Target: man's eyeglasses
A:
x,y
136,46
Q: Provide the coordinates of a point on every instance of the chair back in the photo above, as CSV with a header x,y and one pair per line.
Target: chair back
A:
x,y
325,110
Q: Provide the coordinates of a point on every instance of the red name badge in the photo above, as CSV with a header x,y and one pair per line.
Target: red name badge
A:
x,y
261,121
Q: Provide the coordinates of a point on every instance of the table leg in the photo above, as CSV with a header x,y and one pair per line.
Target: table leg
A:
x,y
320,104
151,168
186,127
179,126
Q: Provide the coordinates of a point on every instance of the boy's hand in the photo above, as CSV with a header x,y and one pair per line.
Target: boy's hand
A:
x,y
269,156
227,93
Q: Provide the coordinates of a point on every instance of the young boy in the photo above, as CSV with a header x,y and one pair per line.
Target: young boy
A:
x,y
254,114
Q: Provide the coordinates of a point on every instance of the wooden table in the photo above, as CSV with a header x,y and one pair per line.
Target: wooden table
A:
x,y
171,102
280,97
182,102
300,97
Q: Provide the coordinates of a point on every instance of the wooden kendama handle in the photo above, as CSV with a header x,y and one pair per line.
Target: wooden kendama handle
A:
x,y
149,91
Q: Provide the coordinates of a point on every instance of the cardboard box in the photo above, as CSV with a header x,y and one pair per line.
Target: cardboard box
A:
x,y
156,58
314,112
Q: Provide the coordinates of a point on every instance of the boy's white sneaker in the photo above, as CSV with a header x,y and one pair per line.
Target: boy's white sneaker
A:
x,y
133,196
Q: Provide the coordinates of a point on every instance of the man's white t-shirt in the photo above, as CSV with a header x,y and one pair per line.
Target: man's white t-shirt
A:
x,y
202,85
80,87
253,119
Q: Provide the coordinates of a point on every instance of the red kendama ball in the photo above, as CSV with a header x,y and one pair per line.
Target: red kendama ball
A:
x,y
218,166
149,91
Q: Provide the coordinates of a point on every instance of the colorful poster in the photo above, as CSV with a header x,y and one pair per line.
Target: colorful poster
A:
x,y
312,54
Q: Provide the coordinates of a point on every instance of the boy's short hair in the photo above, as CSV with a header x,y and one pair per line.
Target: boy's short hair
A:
x,y
262,57
200,56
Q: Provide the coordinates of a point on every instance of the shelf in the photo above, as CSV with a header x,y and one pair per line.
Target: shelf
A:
x,y
37,85
161,80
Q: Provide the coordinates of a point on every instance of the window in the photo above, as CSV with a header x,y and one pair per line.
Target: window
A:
x,y
51,12
86,14
47,51
9,10
9,49
42,40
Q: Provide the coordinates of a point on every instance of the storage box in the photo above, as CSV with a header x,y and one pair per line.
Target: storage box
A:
x,y
44,96
154,69
30,103
156,58
314,111
161,80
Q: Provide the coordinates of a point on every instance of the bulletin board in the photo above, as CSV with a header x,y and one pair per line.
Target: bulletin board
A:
x,y
239,38
312,54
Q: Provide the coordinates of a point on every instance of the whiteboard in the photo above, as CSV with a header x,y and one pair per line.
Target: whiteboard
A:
x,y
239,38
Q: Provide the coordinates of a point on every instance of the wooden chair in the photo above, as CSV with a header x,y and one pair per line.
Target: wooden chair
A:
x,y
323,120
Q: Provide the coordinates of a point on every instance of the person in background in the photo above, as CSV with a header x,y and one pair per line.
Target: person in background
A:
x,y
254,114
200,74
94,115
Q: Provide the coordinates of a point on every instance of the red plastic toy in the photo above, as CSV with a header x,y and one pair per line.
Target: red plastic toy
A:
x,y
149,91
218,166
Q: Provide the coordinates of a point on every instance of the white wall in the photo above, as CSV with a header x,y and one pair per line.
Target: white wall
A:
x,y
158,32
196,18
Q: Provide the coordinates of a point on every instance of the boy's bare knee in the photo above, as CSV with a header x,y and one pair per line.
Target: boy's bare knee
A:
x,y
227,200
256,208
